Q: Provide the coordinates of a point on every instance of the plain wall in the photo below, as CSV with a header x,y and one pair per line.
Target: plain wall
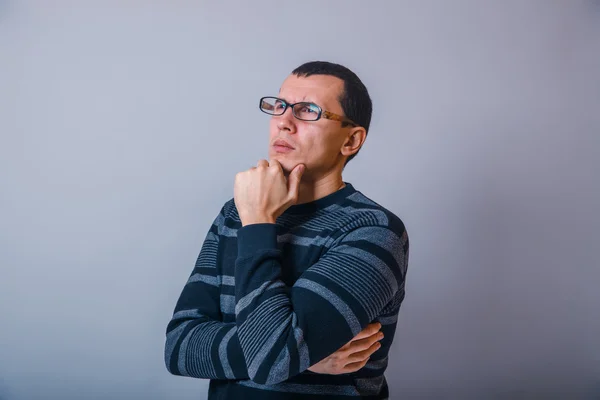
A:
x,y
123,124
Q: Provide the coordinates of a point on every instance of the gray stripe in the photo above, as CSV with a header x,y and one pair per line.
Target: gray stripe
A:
x,y
344,270
201,338
328,295
372,260
227,303
209,280
247,299
264,350
212,236
220,220
223,353
181,359
193,313
281,368
227,280
380,216
377,217
228,232
253,329
172,341
302,347
383,237
362,276
388,320
358,197
343,390
208,253
207,260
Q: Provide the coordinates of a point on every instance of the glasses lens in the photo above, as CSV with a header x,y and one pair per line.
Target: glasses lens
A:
x,y
307,111
272,105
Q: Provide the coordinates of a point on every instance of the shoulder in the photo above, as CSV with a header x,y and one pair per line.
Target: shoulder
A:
x,y
376,229
362,211
223,224
229,209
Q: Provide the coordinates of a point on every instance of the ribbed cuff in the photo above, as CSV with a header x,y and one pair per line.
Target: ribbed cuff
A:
x,y
256,237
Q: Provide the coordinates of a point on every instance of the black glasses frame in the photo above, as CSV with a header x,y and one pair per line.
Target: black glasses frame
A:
x,y
322,113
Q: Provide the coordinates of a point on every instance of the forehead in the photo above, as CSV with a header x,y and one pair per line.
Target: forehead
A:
x,y
321,89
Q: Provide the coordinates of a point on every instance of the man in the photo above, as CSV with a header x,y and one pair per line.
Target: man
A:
x,y
299,271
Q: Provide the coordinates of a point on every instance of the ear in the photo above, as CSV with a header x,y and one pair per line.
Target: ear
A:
x,y
354,141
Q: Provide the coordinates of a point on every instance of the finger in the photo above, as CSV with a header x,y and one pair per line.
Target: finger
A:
x,y
276,164
369,330
294,181
360,338
354,366
362,344
360,356
262,163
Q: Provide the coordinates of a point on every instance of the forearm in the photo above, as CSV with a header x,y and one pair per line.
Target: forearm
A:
x,y
198,343
204,348
284,330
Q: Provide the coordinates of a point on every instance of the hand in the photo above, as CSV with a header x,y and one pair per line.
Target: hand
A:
x,y
263,193
352,356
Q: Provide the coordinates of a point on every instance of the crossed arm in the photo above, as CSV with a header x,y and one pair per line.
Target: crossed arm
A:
x,y
322,321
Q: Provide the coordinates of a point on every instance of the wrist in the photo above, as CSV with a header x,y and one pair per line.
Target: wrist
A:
x,y
257,219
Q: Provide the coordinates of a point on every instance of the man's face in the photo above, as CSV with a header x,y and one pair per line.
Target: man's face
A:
x,y
316,144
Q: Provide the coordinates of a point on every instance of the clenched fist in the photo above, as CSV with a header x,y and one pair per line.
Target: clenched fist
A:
x,y
263,193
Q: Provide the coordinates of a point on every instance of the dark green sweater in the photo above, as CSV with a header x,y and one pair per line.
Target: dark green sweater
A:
x,y
264,302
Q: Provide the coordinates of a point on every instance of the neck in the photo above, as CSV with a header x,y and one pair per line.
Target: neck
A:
x,y
319,188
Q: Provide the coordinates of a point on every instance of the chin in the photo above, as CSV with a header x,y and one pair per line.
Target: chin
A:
x,y
286,165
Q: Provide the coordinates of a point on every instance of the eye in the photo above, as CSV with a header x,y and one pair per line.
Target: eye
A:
x,y
309,109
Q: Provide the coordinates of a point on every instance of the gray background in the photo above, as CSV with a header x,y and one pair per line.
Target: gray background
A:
x,y
123,124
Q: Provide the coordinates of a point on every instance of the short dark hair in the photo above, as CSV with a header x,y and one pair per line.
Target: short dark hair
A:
x,y
354,99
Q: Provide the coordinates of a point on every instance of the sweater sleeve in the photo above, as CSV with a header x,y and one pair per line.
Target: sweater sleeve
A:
x,y
283,331
198,344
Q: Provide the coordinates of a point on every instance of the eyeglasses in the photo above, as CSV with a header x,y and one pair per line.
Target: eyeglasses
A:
x,y
304,111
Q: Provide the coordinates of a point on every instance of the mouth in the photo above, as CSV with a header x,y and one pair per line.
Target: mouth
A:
x,y
282,149
281,146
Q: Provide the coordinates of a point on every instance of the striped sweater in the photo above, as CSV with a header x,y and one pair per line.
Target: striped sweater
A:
x,y
264,302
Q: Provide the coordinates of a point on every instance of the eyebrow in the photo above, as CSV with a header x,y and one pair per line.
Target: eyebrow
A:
x,y
302,100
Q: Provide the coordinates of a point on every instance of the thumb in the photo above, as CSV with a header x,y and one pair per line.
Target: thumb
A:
x,y
294,180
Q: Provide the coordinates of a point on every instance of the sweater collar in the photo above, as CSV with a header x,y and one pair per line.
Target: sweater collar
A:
x,y
323,202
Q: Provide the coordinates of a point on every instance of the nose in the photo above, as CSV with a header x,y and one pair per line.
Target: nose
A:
x,y
286,121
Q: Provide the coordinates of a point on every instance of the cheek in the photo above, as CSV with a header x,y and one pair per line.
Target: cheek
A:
x,y
273,129
320,144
